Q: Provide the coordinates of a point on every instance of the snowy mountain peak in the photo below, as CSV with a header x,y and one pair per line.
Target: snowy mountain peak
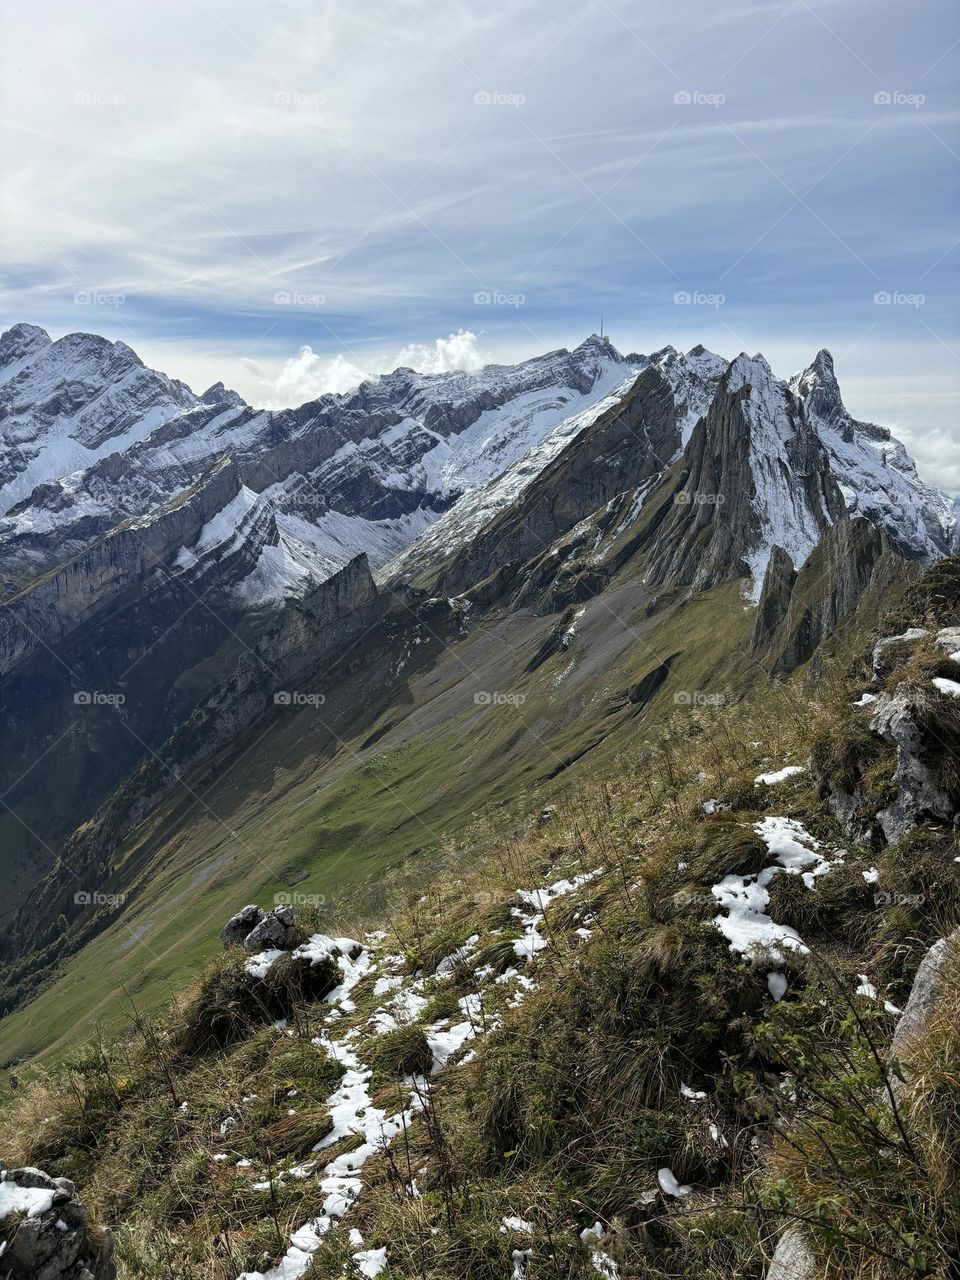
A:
x,y
817,387
20,338
752,371
822,368
19,346
66,404
877,477
757,477
596,345
698,362
219,394
693,378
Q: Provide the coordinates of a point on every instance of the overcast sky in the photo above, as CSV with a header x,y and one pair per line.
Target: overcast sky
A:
x,y
291,196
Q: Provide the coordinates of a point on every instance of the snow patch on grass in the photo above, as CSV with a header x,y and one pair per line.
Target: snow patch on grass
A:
x,y
769,779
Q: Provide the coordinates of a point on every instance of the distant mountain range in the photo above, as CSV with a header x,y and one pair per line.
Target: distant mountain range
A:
x,y
173,562
91,438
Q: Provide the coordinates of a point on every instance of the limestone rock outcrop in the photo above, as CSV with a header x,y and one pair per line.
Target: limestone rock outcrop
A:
x,y
46,1233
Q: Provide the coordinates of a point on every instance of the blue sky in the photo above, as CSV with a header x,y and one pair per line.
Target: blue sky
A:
x,y
223,184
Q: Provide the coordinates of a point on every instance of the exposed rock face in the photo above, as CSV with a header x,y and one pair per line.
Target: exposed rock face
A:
x,y
877,476
918,795
281,658
797,611
911,720
754,476
53,606
46,1233
627,445
778,584
235,931
924,994
792,1259
274,930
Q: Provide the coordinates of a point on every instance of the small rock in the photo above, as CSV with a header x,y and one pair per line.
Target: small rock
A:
x,y
239,926
28,1176
273,931
881,649
792,1259
647,1205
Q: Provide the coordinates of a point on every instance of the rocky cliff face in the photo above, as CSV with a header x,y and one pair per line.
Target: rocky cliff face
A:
x,y
875,473
797,611
690,381
631,442
55,604
754,476
281,660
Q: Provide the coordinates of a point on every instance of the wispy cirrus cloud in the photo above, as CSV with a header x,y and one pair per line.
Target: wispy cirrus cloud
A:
x,y
354,179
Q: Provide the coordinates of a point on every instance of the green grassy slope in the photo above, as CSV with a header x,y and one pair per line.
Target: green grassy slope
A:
x,y
414,767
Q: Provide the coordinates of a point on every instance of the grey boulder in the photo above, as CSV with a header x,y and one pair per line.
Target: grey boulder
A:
x,y
918,795
56,1242
948,640
239,926
274,930
883,649
926,989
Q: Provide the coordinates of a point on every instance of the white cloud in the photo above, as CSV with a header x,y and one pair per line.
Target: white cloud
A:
x,y
459,351
217,166
308,374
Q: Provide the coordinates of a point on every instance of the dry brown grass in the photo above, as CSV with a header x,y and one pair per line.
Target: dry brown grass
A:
x,y
570,1106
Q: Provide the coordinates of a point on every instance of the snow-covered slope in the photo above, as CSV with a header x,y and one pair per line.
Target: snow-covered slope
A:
x,y
479,505
693,379
366,471
877,477
66,404
410,467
